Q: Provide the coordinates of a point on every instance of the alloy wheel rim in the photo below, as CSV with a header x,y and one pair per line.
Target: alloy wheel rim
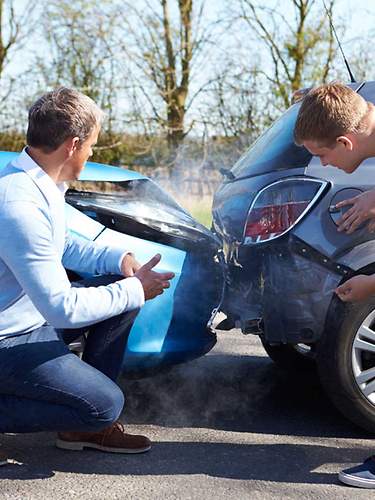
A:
x,y
363,357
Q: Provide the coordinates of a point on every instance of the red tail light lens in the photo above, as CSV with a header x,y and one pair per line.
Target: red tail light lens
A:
x,y
274,219
278,207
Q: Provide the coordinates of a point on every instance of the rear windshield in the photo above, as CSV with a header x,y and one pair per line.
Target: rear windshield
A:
x,y
274,149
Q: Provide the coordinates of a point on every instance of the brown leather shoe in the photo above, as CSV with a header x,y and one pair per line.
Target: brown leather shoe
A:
x,y
113,439
3,458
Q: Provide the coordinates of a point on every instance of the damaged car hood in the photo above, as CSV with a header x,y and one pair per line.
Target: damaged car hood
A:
x,y
126,200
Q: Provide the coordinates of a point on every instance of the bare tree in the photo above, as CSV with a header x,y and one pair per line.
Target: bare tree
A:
x,y
235,105
79,37
164,48
16,25
298,40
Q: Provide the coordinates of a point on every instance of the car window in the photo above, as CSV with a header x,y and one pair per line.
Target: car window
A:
x,y
274,150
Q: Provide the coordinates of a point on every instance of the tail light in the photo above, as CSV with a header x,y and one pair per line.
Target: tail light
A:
x,y
280,206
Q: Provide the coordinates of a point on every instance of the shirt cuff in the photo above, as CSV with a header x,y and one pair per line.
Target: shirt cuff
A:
x,y
114,260
136,294
121,259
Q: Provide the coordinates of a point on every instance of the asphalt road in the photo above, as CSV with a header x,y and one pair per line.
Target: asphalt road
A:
x,y
227,425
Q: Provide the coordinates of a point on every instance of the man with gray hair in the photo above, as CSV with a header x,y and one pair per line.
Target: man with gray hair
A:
x,y
43,386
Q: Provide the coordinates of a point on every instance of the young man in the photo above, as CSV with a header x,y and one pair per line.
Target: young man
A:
x,y
338,125
43,386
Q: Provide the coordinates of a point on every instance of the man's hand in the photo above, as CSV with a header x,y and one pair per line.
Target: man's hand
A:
x,y
357,289
129,265
363,209
153,282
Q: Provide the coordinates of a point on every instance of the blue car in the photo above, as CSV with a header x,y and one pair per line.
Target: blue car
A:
x,y
126,209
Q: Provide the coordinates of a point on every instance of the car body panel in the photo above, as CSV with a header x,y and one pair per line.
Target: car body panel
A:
x,y
81,224
156,314
6,157
92,172
360,257
172,328
297,295
274,150
323,234
99,172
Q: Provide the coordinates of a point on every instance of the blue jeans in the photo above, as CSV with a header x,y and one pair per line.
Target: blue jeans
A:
x,y
45,387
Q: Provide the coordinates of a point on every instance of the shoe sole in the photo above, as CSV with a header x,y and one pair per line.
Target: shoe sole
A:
x,y
356,481
79,446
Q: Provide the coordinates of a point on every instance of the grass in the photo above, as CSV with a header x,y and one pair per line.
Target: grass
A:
x,y
200,208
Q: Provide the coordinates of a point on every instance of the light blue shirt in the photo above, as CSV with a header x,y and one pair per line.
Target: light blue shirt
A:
x,y
35,247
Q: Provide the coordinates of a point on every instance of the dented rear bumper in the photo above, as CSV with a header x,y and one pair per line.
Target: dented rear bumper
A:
x,y
282,291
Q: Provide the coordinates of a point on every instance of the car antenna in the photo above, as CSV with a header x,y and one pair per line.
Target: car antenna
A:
x,y
352,79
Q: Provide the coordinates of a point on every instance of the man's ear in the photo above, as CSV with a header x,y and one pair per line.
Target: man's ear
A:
x,y
345,141
71,145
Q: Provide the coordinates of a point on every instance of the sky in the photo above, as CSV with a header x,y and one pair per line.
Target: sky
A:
x,y
357,15
361,14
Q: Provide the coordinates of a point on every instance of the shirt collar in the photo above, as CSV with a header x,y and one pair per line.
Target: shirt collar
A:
x,y
45,183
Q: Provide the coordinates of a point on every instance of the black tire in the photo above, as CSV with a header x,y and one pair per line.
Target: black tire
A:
x,y
289,357
336,366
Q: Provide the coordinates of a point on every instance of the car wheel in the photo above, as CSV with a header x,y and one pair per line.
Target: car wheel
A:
x,y
291,357
346,363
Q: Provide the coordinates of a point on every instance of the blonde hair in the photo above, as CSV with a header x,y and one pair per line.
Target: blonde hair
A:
x,y
329,111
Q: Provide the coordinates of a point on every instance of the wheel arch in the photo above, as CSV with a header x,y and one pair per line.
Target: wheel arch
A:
x,y
337,308
360,256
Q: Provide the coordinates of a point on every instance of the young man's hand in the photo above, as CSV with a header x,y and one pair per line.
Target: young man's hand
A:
x,y
357,289
129,265
363,209
153,282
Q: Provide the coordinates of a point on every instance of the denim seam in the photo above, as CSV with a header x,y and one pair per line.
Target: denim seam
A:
x,y
53,389
107,340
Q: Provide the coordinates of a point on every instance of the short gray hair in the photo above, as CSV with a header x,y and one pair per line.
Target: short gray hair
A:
x,y
59,115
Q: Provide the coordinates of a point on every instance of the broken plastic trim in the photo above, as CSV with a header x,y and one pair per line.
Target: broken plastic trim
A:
x,y
301,248
220,259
